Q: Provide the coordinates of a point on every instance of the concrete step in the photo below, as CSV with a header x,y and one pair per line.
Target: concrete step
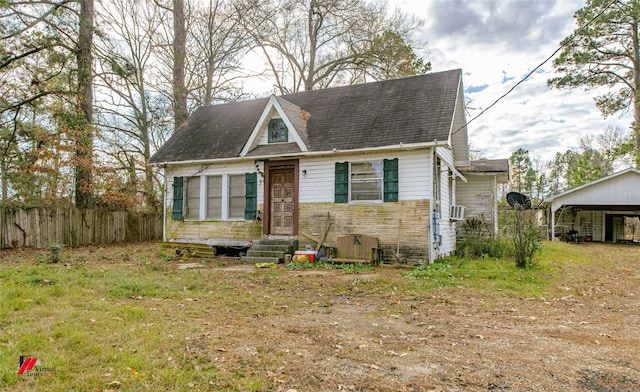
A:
x,y
266,253
277,242
270,251
275,248
254,260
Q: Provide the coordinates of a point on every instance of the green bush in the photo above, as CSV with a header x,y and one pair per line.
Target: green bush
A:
x,y
526,239
478,249
55,251
476,240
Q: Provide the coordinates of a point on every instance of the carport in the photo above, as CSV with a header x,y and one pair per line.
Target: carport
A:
x,y
598,210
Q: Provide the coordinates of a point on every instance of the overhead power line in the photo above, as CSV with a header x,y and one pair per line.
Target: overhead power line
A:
x,y
537,67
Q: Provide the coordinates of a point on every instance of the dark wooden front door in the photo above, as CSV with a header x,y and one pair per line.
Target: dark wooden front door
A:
x,y
282,201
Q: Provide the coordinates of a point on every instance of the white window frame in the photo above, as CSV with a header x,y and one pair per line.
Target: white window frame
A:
x,y
208,197
188,209
229,196
380,179
225,212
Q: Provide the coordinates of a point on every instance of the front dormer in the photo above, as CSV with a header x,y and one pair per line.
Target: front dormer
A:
x,y
281,129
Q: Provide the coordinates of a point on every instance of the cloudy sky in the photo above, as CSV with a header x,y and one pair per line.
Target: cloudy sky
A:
x,y
496,43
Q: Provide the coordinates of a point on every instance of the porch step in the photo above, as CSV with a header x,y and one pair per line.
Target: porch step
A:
x,y
270,251
186,250
256,260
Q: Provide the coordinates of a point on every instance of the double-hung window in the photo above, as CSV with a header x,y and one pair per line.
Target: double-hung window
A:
x,y
214,197
192,198
372,181
226,196
236,196
366,181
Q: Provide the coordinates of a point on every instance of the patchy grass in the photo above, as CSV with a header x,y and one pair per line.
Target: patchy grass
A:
x,y
488,274
127,318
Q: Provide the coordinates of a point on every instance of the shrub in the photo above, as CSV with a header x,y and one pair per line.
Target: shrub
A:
x,y
475,240
55,250
526,238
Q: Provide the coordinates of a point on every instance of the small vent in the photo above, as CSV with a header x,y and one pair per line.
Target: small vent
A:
x,y
457,213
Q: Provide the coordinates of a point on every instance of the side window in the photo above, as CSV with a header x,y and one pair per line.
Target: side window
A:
x,y
178,198
236,196
214,197
193,198
437,183
224,197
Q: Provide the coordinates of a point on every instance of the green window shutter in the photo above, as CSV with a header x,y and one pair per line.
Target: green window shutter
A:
x,y
391,179
250,195
178,198
342,182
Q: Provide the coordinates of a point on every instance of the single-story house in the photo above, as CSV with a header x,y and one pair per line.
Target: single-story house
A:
x,y
375,159
596,210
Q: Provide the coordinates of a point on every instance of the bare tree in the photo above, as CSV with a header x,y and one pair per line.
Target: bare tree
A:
x,y
217,45
131,110
213,47
180,111
316,43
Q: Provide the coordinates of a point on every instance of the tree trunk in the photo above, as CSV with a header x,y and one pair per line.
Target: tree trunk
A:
x,y
84,136
179,55
636,95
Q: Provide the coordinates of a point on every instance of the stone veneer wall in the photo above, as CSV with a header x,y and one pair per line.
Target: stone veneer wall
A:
x,y
386,221
208,229
407,220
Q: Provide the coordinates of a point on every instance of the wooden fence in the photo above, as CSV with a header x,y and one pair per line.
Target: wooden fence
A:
x,y
39,227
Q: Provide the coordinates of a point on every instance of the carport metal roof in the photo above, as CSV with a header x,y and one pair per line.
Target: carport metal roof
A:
x,y
617,192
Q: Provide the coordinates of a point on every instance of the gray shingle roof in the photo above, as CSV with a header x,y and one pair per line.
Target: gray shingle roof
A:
x,y
486,166
409,110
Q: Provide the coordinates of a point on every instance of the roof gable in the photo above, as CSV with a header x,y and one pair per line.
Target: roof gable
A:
x,y
621,188
411,111
278,107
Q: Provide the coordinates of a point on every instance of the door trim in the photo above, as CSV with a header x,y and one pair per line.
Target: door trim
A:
x,y
272,165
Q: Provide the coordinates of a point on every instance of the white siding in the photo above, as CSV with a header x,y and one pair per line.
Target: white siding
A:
x,y
211,170
414,175
447,198
317,186
620,190
459,138
478,196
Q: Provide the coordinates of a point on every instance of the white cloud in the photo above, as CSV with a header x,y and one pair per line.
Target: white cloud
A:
x,y
496,43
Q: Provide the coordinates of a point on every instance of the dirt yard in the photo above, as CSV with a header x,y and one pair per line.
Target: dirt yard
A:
x,y
587,338
323,330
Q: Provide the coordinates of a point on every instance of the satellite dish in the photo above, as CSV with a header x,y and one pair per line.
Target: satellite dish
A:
x,y
518,201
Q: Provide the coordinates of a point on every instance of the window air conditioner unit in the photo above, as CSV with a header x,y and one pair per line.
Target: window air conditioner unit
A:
x,y
457,213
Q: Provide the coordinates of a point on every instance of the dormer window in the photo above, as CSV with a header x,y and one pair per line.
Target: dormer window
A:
x,y
278,132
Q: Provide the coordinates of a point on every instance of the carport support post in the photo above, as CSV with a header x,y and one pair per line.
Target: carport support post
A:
x,y
553,224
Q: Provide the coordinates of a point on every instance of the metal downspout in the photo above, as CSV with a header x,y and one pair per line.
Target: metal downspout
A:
x,y
164,206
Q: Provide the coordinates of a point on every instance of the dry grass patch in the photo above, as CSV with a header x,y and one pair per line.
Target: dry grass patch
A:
x,y
128,318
